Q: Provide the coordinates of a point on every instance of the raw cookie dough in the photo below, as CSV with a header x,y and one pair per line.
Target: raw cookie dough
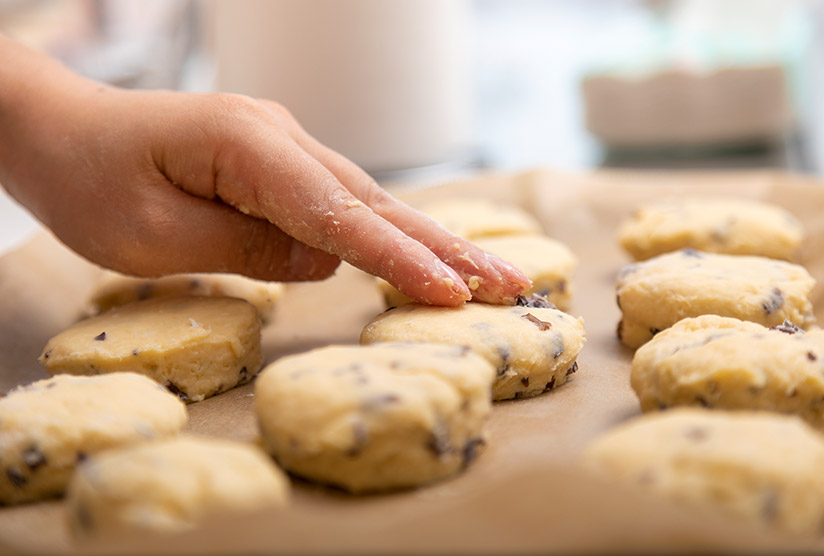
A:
x,y
757,465
475,218
47,427
195,346
547,262
374,418
723,362
732,226
170,485
655,294
114,290
533,347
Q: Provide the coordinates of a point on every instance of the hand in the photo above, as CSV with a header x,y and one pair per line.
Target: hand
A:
x,y
151,183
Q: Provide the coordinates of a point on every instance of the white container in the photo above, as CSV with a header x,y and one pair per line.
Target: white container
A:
x,y
384,82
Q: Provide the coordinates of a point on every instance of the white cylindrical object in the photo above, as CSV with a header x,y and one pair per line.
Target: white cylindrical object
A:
x,y
384,82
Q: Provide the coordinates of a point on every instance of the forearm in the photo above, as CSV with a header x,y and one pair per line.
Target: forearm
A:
x,y
37,96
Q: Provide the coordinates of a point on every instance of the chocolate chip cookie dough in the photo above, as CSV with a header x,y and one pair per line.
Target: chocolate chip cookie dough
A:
x,y
476,218
533,346
114,290
49,426
759,466
375,418
547,262
731,226
195,346
170,485
657,293
722,362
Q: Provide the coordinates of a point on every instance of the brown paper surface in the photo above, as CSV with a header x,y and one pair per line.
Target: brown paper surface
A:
x,y
526,493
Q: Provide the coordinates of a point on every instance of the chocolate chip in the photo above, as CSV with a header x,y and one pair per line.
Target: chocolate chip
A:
x,y
34,458
697,434
647,476
773,302
360,438
47,354
572,369
770,505
100,337
174,389
84,517
537,322
788,327
135,351
504,352
145,291
438,442
379,401
536,301
550,385
525,381
689,252
194,284
16,478
811,356
470,451
557,346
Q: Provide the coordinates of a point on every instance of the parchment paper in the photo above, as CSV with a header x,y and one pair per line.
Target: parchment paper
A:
x,y
526,493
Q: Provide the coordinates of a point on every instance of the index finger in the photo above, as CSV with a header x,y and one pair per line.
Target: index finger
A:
x,y
303,198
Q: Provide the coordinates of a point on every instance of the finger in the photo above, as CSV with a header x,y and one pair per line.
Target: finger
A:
x,y
490,278
184,233
301,197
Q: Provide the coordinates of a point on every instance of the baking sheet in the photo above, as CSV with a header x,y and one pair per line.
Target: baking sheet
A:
x,y
526,492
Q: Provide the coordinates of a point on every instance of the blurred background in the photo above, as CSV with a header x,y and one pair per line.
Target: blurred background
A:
x,y
427,90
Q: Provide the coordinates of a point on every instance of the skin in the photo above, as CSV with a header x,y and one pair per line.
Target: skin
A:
x,y
156,182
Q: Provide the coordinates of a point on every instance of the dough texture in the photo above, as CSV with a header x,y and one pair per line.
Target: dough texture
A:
x,y
47,427
375,418
759,466
655,294
114,290
731,226
170,485
533,347
195,346
476,218
727,363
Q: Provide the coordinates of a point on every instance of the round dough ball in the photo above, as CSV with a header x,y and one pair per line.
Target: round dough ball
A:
x,y
760,466
114,290
655,294
195,346
533,347
731,226
170,485
475,218
547,262
722,362
375,418
49,426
